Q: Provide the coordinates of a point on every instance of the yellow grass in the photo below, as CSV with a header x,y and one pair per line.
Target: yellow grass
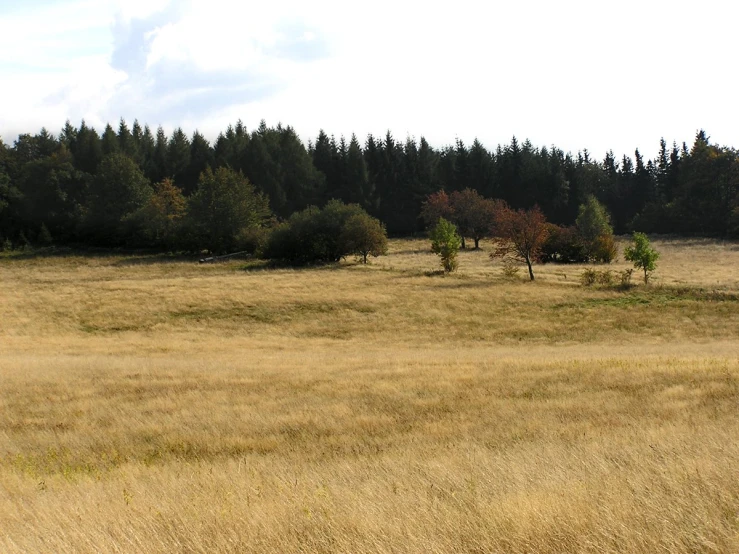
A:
x,y
153,405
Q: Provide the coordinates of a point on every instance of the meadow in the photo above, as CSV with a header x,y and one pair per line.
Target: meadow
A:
x,y
153,404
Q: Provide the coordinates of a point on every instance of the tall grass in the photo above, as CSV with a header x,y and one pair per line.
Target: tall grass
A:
x,y
155,406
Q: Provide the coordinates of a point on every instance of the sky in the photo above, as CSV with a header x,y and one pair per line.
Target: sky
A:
x,y
577,74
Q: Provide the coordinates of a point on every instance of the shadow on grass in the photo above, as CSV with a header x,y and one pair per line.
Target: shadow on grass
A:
x,y
128,256
256,264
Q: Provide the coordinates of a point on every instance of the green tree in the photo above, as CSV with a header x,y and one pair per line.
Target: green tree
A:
x,y
446,242
109,142
314,235
53,193
118,191
224,205
178,157
87,149
201,158
594,226
10,197
356,173
364,235
642,254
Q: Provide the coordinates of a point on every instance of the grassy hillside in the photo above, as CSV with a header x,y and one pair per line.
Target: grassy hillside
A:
x,y
158,405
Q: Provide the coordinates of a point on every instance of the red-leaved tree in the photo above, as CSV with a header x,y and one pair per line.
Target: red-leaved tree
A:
x,y
520,233
436,206
472,214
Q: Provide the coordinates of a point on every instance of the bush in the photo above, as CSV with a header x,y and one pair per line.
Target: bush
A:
x,y
594,227
321,235
510,270
588,277
604,278
563,245
604,249
44,236
625,277
446,242
252,240
591,277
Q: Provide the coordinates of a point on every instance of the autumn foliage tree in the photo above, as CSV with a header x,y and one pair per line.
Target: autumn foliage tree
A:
x,y
163,214
472,214
520,233
435,207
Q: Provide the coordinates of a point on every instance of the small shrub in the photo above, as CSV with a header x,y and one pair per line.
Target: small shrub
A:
x,y
604,278
44,236
446,242
588,277
510,270
252,240
604,249
563,245
625,277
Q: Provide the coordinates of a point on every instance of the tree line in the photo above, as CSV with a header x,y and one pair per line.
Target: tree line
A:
x,y
133,186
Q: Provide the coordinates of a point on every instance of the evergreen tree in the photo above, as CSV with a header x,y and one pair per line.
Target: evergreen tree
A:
x,y
160,158
201,158
46,143
126,144
146,147
68,136
357,177
178,157
109,142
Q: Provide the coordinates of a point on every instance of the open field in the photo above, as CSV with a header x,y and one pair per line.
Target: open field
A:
x,y
158,405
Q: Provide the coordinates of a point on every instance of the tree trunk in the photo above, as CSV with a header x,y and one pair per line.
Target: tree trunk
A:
x,y
365,258
477,243
531,271
463,247
646,277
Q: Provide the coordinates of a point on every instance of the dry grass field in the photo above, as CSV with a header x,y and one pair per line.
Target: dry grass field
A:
x,y
157,405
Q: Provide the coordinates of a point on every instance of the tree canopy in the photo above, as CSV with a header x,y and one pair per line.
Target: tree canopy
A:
x,y
64,182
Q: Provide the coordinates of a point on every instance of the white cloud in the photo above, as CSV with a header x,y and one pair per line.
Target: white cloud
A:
x,y
577,74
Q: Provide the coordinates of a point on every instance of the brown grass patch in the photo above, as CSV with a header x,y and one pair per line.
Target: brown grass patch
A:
x,y
159,407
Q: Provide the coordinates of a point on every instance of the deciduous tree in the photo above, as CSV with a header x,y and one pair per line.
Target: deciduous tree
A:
x,y
642,254
224,204
520,233
445,241
364,236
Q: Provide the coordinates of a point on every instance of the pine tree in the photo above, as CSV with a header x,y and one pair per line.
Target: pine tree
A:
x,y
109,142
178,156
87,149
201,158
160,159
126,144
357,180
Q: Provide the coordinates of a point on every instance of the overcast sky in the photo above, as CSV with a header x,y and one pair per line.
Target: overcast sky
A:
x,y
576,74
